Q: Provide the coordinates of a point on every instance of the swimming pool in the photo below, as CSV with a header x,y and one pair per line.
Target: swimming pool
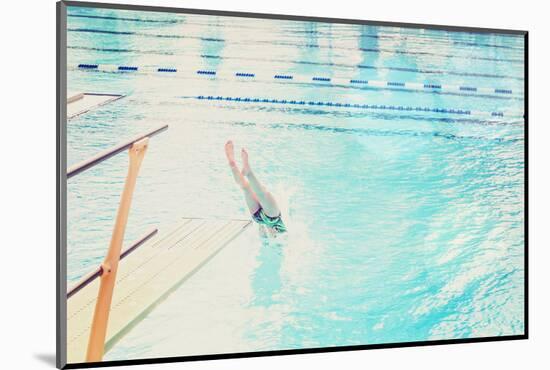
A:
x,y
397,156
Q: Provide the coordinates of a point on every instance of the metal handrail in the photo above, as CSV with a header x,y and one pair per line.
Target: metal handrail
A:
x,y
137,147
97,272
106,154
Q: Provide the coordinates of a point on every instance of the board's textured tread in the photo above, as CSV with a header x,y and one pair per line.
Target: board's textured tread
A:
x,y
146,276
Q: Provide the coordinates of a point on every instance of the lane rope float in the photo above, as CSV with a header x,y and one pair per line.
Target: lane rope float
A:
x,y
299,78
374,107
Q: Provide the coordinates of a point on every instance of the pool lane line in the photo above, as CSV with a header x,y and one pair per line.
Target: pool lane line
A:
x,y
378,115
168,21
385,32
374,107
307,62
295,78
272,43
372,67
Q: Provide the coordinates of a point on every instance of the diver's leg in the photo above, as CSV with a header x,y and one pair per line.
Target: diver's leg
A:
x,y
251,199
237,175
265,198
249,196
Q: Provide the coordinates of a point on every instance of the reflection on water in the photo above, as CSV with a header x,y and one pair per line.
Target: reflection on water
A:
x,y
401,227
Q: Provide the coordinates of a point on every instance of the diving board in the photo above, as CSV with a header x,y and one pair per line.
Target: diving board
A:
x,y
79,103
146,277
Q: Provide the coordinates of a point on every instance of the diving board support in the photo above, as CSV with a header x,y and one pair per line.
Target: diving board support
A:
x,y
109,267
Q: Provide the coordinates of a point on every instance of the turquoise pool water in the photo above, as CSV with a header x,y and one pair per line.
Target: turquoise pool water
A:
x,y
403,225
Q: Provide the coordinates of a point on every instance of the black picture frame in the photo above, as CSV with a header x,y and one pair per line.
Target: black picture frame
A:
x,y
61,188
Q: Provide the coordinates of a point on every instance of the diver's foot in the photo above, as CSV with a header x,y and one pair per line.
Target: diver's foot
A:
x,y
230,153
246,167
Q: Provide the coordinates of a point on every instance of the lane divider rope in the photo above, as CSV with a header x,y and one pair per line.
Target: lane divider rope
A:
x,y
362,65
315,79
382,107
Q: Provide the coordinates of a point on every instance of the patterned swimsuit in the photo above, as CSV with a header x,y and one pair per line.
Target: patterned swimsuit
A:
x,y
275,223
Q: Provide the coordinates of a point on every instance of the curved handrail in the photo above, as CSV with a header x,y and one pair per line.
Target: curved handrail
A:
x,y
106,154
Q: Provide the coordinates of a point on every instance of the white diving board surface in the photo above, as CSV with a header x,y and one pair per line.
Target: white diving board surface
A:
x,y
147,276
79,103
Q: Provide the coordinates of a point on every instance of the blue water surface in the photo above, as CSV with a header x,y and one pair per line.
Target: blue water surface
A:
x,y
402,227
